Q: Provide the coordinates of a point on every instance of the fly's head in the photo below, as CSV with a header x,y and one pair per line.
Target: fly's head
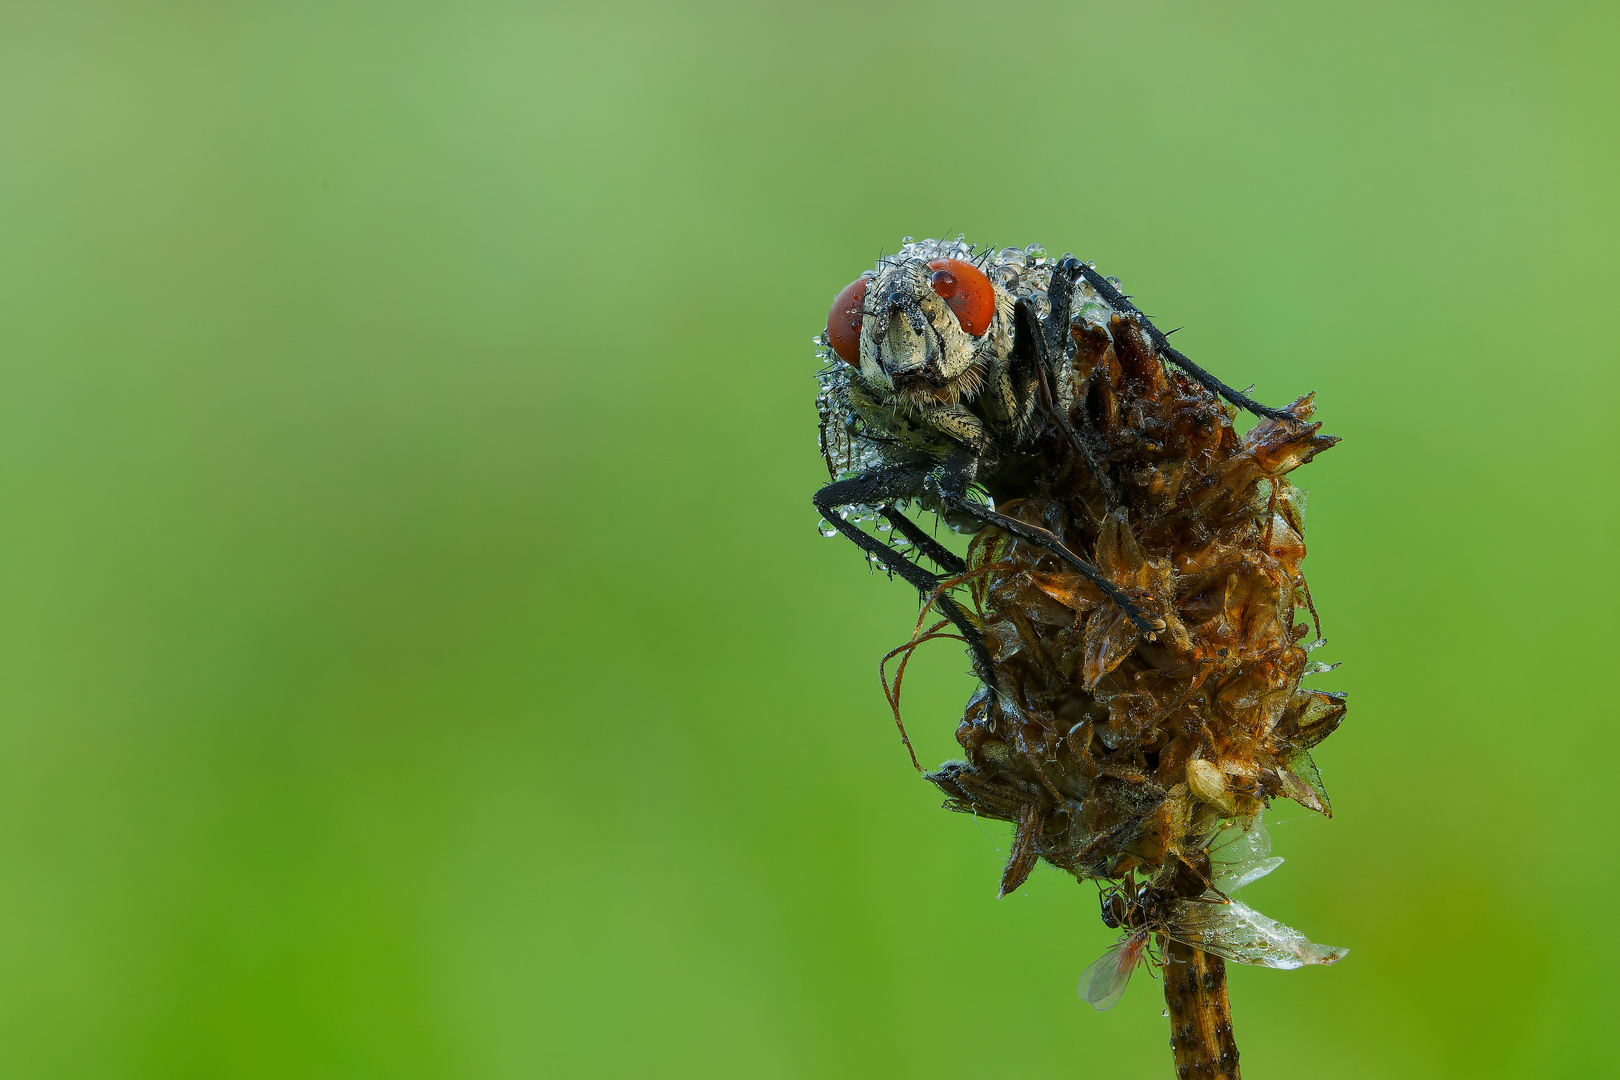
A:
x,y
1122,904
921,331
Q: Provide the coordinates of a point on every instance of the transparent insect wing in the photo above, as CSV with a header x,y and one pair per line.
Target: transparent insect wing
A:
x,y
1104,982
1231,879
1239,856
1239,841
1239,933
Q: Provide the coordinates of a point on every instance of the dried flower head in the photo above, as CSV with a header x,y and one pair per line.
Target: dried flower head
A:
x,y
1111,752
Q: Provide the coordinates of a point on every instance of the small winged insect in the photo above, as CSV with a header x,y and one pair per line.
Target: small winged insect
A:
x,y
1209,920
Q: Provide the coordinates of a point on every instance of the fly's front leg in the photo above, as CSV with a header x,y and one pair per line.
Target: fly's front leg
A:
x,y
943,557
950,483
1117,301
960,425
882,489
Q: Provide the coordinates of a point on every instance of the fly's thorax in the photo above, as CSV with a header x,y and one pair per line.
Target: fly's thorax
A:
x,y
1133,906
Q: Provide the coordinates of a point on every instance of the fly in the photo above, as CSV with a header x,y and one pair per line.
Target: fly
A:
x,y
945,368
1210,921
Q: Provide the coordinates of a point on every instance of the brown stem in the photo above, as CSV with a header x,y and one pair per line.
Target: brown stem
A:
x,y
1200,1015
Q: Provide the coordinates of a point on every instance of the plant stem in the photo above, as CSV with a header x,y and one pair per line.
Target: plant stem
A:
x,y
1200,1015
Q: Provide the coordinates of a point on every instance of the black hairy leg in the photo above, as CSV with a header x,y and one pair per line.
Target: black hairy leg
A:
x,y
950,481
1117,301
882,489
946,559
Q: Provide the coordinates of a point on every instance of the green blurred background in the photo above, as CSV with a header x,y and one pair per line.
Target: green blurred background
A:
x,y
419,656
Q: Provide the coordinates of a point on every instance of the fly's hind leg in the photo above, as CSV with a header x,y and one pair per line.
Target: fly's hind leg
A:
x,y
946,559
882,489
950,483
1117,301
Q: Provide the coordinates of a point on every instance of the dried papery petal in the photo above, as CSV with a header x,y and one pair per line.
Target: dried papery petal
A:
x,y
1314,715
1302,781
1285,544
1110,638
1070,590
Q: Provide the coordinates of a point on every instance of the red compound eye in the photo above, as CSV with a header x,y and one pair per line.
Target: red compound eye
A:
x,y
844,322
968,292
